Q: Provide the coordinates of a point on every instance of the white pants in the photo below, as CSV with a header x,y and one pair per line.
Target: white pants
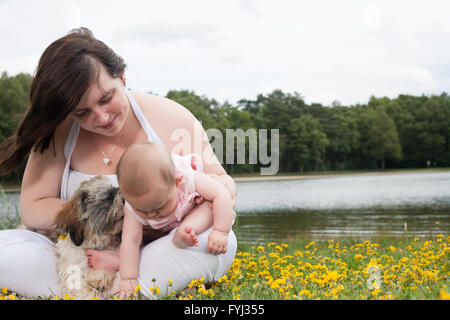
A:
x,y
28,264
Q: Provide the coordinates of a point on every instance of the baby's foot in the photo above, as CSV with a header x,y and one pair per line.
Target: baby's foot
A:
x,y
185,237
103,260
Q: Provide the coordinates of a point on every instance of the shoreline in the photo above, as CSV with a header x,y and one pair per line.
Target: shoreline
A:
x,y
325,175
304,176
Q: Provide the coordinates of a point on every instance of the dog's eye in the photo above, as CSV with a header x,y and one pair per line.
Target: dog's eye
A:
x,y
112,194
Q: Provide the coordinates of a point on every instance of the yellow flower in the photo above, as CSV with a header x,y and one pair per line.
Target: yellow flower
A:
x,y
278,282
63,237
376,292
310,244
170,282
444,295
4,291
358,257
155,290
137,289
260,249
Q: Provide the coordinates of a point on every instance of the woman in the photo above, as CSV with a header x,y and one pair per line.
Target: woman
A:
x,y
80,121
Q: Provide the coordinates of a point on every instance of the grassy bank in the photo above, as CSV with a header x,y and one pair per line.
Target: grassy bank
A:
x,y
390,268
384,268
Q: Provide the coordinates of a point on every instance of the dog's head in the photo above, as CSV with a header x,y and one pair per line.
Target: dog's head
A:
x,y
93,215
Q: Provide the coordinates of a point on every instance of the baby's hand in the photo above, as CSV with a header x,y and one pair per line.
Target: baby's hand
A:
x,y
218,242
127,287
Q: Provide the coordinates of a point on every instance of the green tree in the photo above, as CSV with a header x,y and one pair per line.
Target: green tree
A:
x,y
379,137
307,142
14,100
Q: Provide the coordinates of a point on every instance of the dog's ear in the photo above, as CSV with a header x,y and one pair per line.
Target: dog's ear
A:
x,y
76,234
66,221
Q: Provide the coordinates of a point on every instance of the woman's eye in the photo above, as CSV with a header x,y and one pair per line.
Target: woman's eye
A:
x,y
104,101
80,114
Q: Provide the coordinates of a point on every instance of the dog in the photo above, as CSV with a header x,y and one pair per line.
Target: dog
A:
x,y
91,219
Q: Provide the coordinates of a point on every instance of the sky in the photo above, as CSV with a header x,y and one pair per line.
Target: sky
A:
x,y
326,51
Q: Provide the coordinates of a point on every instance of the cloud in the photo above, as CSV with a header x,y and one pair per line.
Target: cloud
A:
x,y
325,50
160,32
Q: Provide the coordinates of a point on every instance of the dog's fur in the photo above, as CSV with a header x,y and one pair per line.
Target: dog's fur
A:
x,y
93,219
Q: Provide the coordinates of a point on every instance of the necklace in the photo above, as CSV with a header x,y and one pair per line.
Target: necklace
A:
x,y
106,159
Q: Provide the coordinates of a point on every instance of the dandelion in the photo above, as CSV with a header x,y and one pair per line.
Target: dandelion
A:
x,y
444,295
137,289
358,257
63,237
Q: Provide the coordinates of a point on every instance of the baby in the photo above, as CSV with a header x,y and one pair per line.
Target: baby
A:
x,y
160,190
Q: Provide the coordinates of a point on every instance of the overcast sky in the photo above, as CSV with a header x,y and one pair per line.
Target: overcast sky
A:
x,y
233,49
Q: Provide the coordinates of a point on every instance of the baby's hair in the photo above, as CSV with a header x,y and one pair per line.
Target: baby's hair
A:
x,y
137,160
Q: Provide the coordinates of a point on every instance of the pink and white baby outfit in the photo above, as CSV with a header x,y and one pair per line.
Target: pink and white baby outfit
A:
x,y
185,166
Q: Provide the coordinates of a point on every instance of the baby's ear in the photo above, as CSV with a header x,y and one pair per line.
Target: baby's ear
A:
x,y
178,179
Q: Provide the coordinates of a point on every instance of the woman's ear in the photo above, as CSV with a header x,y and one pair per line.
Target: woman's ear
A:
x,y
124,80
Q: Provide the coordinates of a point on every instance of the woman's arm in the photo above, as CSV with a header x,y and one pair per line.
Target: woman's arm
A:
x,y
41,184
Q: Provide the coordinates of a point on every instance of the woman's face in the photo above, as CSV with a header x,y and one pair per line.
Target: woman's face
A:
x,y
103,109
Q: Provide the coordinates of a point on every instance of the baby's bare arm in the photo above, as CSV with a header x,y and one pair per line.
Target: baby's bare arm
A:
x,y
217,193
129,248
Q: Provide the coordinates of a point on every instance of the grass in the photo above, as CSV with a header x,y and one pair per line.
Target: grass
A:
x,y
348,269
391,268
12,219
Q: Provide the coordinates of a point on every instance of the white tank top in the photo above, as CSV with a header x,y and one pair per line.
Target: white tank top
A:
x,y
72,179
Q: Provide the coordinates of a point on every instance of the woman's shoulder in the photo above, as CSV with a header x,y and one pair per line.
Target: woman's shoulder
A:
x,y
157,106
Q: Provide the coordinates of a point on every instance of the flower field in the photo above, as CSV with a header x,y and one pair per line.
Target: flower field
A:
x,y
337,269
397,268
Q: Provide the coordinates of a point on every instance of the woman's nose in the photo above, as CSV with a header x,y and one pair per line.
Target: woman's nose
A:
x,y
101,115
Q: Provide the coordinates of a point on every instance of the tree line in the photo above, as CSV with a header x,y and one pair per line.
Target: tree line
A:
x,y
405,132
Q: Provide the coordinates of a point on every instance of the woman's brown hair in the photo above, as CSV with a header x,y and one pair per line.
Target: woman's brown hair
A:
x,y
65,71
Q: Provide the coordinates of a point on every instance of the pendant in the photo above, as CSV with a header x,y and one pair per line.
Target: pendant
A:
x,y
106,161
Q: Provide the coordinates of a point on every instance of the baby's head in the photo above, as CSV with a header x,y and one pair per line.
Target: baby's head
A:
x,y
147,179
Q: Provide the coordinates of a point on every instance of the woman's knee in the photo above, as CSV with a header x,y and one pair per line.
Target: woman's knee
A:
x,y
26,257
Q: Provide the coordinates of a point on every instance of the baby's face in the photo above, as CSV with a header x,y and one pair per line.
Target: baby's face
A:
x,y
156,203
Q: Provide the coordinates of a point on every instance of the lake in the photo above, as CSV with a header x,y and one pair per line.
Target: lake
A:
x,y
360,206
352,206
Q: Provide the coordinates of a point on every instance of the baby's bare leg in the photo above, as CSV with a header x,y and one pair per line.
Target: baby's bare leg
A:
x,y
196,222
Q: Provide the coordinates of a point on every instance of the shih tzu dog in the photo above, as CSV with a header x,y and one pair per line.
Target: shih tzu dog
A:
x,y
91,219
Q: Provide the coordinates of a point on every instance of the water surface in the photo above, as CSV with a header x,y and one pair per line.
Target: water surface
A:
x,y
412,204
